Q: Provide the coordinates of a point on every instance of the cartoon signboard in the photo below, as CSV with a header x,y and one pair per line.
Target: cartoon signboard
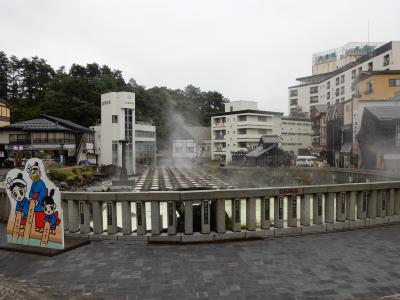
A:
x,y
36,214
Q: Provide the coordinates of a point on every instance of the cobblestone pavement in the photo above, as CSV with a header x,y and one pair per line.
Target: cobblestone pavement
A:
x,y
357,264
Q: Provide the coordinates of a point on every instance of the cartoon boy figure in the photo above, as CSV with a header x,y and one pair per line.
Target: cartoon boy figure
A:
x,y
51,215
17,187
37,193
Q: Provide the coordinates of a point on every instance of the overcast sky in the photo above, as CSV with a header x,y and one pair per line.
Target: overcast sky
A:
x,y
247,50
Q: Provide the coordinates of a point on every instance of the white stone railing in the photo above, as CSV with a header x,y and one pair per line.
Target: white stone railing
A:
x,y
268,212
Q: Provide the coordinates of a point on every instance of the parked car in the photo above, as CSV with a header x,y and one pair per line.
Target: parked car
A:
x,y
86,163
305,161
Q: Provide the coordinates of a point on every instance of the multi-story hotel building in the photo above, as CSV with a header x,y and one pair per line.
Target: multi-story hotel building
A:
x,y
334,72
240,128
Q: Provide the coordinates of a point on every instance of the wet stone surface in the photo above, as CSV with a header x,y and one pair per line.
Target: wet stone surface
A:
x,y
362,264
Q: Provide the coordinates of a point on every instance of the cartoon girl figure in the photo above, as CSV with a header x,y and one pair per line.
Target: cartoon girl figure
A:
x,y
51,215
37,193
17,187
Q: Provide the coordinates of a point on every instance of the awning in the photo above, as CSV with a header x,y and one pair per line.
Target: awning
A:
x,y
346,148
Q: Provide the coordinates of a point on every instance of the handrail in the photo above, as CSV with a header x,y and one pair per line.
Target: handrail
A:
x,y
318,208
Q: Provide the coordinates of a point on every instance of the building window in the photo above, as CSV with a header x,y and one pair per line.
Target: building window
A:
x,y
231,108
394,82
145,134
242,131
342,79
262,131
313,89
293,93
328,85
115,153
293,101
386,60
359,70
190,149
265,119
242,118
337,80
328,95
370,87
370,66
342,90
114,118
337,92
353,74
314,99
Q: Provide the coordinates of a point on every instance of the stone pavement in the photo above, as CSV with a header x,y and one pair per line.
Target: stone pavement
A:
x,y
356,264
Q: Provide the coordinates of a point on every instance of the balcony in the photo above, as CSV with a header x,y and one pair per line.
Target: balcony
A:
x,y
219,137
219,125
220,150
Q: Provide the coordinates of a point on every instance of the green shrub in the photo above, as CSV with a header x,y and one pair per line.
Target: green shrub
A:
x,y
58,174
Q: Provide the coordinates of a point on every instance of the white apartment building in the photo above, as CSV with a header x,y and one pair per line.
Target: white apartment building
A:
x,y
296,134
333,77
240,128
117,126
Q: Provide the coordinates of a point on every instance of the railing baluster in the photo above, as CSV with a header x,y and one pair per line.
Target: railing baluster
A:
x,y
265,213
188,217
372,202
390,203
251,213
397,202
97,207
112,218
220,215
351,206
155,217
292,211
64,205
341,206
278,211
362,204
205,216
305,209
381,204
84,216
141,217
317,209
329,207
171,217
126,218
73,216
236,220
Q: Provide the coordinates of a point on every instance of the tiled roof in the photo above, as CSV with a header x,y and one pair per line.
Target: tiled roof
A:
x,y
46,123
385,113
271,139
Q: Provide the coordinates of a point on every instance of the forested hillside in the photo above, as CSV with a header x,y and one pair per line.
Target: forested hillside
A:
x,y
31,86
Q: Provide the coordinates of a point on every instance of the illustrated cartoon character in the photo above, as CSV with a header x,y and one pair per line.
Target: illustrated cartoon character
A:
x,y
51,215
37,193
17,187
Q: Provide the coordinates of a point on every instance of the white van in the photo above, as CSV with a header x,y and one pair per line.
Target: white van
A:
x,y
305,161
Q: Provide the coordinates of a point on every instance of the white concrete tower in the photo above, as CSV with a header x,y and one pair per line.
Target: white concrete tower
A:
x,y
117,124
